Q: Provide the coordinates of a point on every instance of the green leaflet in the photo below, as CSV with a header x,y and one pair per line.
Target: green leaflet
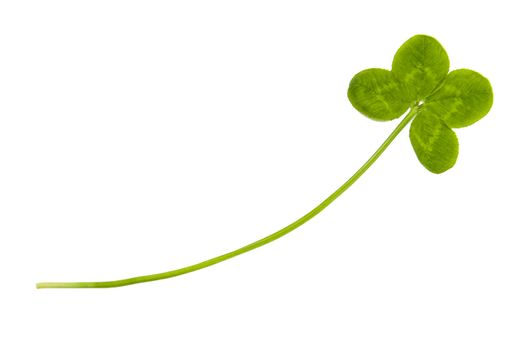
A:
x,y
464,98
421,63
420,80
435,144
375,93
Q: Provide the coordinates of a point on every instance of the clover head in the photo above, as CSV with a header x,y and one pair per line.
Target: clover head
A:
x,y
420,80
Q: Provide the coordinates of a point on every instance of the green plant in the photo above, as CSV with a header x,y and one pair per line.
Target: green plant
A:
x,y
419,82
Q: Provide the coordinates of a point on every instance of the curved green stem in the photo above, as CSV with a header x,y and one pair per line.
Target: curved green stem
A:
x,y
256,244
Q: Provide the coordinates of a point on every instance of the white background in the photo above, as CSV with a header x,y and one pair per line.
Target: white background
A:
x,y
138,137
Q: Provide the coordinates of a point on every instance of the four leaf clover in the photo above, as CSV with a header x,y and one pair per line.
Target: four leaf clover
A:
x,y
420,80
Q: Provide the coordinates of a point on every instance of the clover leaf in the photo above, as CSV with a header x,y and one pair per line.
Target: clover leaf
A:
x,y
419,81
440,100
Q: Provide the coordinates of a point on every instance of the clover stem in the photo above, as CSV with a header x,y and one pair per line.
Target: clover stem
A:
x,y
251,246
